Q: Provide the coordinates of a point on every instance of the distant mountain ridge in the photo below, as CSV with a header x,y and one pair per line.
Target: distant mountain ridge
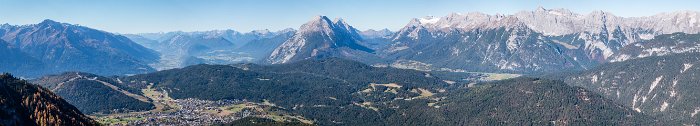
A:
x,y
62,47
559,37
180,49
528,42
14,60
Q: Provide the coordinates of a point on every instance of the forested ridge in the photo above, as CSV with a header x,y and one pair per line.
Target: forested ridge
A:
x,y
22,103
90,93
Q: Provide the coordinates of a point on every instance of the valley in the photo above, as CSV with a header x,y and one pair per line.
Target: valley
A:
x,y
192,111
196,112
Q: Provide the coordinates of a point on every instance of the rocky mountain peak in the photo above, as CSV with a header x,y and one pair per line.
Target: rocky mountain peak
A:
x,y
286,30
319,37
340,24
371,33
318,23
48,23
339,21
540,9
263,31
413,23
552,12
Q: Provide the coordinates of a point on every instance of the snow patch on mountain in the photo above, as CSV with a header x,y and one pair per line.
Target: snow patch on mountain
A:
x,y
664,106
596,47
512,44
686,66
660,51
655,83
697,110
429,20
566,45
646,36
634,103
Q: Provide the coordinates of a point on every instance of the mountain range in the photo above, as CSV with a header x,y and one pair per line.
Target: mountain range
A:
x,y
460,69
180,49
53,47
320,38
542,40
527,42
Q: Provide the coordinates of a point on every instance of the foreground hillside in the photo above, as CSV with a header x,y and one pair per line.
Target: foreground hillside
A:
x,y
523,101
26,104
95,94
662,86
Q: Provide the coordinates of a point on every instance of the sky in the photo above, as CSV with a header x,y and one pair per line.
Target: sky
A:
x,y
144,16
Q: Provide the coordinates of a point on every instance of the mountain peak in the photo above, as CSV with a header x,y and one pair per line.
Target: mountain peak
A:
x,y
319,37
261,31
339,21
286,30
320,19
341,24
318,23
385,30
540,9
371,33
423,21
553,11
429,20
324,24
49,21
681,13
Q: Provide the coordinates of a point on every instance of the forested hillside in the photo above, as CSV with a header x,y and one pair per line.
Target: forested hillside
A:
x,y
25,104
95,94
661,86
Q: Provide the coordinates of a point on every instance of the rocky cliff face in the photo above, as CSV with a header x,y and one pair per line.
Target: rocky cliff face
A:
x,y
321,37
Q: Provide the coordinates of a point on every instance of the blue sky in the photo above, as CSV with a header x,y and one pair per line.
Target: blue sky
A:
x,y
138,16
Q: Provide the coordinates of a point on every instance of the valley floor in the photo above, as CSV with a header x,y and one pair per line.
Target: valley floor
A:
x,y
191,111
